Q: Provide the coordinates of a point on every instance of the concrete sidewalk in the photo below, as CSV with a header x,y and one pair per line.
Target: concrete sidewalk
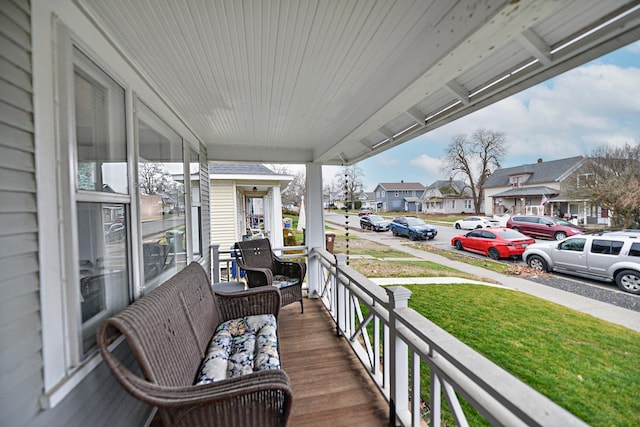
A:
x,y
602,310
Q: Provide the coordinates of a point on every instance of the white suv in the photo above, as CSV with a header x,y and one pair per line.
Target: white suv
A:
x,y
609,256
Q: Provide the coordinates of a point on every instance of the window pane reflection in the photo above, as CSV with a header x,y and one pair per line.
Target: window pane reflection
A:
x,y
162,198
104,273
100,129
194,173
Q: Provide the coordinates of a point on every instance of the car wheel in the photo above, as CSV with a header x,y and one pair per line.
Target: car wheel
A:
x,y
457,226
560,235
431,237
493,253
478,226
412,236
538,263
629,281
458,245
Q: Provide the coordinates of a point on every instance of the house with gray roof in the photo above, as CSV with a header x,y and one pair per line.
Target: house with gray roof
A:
x,y
368,200
245,200
522,189
448,197
398,196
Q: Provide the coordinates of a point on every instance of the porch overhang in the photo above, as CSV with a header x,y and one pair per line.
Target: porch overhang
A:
x,y
526,191
334,82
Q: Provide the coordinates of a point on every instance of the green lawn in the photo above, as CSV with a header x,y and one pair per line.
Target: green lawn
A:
x,y
586,365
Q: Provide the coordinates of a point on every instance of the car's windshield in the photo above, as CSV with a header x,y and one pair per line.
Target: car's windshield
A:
x,y
375,218
511,234
415,221
561,221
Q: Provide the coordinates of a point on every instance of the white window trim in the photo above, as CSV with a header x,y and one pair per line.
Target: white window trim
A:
x,y
52,57
63,366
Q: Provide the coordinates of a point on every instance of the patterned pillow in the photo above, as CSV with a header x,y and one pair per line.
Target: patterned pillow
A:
x,y
240,346
281,281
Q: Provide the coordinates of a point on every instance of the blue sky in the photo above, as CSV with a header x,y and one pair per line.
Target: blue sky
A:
x,y
569,115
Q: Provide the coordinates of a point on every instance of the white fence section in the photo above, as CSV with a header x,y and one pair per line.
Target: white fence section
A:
x,y
397,346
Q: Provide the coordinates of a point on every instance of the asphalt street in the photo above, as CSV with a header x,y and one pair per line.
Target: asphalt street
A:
x,y
600,291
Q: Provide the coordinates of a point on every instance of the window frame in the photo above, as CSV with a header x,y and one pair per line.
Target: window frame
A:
x,y
63,364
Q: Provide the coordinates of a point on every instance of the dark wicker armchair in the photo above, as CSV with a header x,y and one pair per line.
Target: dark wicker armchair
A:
x,y
264,268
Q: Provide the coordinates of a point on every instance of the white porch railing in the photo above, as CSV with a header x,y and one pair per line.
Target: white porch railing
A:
x,y
392,341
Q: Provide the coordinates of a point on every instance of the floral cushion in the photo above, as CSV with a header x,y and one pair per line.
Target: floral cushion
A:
x,y
280,281
240,346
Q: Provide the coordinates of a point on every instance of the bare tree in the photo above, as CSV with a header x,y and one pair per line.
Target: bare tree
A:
x,y
154,178
610,178
292,195
349,180
474,158
279,169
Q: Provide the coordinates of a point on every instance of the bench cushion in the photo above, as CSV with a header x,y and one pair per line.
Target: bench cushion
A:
x,y
240,346
281,281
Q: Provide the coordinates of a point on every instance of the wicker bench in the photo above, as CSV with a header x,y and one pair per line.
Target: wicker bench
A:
x,y
169,331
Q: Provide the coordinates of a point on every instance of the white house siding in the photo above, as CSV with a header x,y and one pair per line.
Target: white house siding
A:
x,y
20,353
98,400
224,228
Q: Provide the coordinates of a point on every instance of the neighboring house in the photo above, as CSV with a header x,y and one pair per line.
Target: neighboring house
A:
x,y
334,201
448,197
399,196
244,197
522,189
368,200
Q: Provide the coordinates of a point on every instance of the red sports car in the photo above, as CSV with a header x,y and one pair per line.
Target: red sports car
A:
x,y
495,242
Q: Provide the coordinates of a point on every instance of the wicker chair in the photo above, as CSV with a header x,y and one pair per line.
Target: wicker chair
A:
x,y
264,268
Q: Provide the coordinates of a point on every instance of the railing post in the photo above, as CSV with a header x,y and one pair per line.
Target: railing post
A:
x,y
215,263
399,381
340,296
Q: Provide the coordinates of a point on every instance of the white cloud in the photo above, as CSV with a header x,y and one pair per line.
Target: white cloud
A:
x,y
568,116
571,115
431,166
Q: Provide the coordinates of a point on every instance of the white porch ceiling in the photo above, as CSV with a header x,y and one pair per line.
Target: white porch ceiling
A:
x,y
337,81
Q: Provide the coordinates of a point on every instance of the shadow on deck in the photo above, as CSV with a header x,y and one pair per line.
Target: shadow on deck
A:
x,y
330,386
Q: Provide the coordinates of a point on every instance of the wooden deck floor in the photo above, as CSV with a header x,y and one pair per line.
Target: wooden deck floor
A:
x,y
330,386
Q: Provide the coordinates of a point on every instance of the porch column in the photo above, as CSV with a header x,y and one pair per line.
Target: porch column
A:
x,y
275,230
315,224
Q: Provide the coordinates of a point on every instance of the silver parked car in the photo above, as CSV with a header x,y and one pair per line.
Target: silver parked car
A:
x,y
608,256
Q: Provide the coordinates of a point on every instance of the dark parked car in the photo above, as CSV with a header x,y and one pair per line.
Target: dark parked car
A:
x,y
495,242
544,226
374,222
412,227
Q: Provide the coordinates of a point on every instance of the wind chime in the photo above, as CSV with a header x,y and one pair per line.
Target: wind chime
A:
x,y
346,212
